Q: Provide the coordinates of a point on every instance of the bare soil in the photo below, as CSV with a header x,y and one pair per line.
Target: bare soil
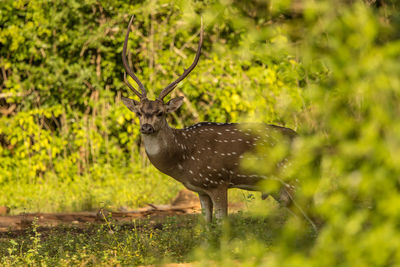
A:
x,y
186,202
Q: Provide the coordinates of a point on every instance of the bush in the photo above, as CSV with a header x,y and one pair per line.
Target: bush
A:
x,y
346,156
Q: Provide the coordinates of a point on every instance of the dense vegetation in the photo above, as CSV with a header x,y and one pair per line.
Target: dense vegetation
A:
x,y
67,141
328,69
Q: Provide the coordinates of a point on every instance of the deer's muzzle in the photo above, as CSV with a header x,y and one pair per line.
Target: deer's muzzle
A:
x,y
147,129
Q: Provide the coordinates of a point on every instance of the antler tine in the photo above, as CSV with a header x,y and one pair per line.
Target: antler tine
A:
x,y
186,72
128,69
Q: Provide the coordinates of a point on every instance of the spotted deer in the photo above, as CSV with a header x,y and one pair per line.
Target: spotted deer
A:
x,y
204,157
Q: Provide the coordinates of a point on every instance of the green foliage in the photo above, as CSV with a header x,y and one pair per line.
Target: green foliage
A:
x,y
62,123
345,158
350,171
328,69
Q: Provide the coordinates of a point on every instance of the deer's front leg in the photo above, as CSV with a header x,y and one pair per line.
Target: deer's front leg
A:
x,y
206,206
219,197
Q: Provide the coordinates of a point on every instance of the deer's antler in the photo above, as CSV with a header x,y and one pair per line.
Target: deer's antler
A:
x,y
128,69
186,72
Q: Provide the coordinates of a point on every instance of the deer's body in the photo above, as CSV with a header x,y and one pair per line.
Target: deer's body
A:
x,y
204,157
207,154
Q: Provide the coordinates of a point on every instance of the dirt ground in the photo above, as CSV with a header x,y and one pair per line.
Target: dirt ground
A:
x,y
186,202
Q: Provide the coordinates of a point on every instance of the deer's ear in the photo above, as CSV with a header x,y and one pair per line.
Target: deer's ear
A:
x,y
130,103
174,104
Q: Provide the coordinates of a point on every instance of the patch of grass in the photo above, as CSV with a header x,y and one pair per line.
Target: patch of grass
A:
x,y
112,188
142,242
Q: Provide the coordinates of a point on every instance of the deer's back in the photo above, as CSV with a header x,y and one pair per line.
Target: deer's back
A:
x,y
210,153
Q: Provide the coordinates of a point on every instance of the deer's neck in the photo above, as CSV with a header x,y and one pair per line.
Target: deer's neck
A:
x,y
161,149
159,142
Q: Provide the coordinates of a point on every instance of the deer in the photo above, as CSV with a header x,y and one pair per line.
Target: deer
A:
x,y
204,157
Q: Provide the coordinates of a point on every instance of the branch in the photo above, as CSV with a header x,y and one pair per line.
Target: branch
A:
x,y
10,94
8,111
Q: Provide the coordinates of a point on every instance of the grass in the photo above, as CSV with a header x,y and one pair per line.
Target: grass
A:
x,y
141,242
112,188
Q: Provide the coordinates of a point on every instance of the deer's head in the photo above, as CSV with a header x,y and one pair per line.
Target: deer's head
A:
x,y
152,113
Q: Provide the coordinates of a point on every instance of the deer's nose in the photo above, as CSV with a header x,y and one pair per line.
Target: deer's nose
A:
x,y
147,129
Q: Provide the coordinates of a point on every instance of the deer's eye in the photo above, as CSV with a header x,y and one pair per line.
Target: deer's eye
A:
x,y
159,114
138,114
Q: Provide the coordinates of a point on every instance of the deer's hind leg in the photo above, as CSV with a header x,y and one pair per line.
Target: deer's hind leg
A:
x,y
206,206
